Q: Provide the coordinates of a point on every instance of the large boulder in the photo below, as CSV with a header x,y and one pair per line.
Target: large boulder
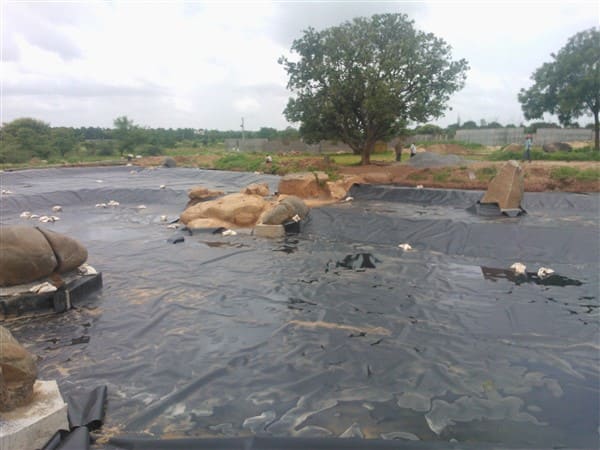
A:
x,y
18,372
237,209
284,211
31,253
305,185
506,188
26,255
69,252
169,162
556,147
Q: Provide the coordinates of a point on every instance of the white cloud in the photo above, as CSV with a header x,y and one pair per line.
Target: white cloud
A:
x,y
246,105
203,64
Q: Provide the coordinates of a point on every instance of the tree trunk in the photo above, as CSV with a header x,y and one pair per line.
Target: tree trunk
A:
x,y
596,126
365,156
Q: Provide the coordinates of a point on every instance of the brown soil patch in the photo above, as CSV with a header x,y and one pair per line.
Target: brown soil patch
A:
x,y
537,176
302,164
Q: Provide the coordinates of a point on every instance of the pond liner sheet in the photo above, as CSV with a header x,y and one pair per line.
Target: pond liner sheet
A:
x,y
277,443
332,331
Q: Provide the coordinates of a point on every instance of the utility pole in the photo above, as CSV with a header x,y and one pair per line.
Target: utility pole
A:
x,y
243,134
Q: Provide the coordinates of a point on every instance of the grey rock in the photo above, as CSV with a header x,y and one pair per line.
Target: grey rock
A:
x,y
556,147
284,211
169,162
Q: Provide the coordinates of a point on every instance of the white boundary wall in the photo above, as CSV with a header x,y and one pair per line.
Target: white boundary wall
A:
x,y
492,136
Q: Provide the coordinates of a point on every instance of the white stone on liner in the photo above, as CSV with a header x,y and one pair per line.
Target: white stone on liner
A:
x,y
519,268
43,288
544,272
86,269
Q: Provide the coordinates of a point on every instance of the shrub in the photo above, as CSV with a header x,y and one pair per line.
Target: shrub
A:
x,y
567,174
442,175
148,150
239,161
486,173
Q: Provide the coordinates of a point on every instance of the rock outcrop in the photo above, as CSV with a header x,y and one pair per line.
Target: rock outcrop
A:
x,y
31,253
507,187
18,372
235,209
284,211
556,147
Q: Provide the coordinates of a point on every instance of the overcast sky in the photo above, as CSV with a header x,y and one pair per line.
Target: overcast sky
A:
x,y
207,64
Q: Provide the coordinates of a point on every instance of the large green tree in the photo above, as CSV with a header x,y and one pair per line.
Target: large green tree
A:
x,y
127,134
24,138
366,79
569,86
63,140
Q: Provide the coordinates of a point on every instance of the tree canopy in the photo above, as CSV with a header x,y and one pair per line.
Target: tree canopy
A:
x,y
23,139
569,86
366,79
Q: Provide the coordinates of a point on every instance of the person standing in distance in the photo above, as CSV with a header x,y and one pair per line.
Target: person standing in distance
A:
x,y
413,150
527,153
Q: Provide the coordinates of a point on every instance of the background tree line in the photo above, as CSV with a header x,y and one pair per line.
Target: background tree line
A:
x,y
26,138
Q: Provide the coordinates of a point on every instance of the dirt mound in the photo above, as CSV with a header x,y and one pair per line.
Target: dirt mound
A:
x,y
514,147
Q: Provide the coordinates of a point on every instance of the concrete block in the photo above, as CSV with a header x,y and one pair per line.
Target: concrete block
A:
x,y
32,425
269,231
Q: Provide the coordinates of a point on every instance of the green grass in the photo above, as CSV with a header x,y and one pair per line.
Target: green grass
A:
x,y
442,175
565,174
199,150
418,176
247,162
486,173
350,159
581,154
